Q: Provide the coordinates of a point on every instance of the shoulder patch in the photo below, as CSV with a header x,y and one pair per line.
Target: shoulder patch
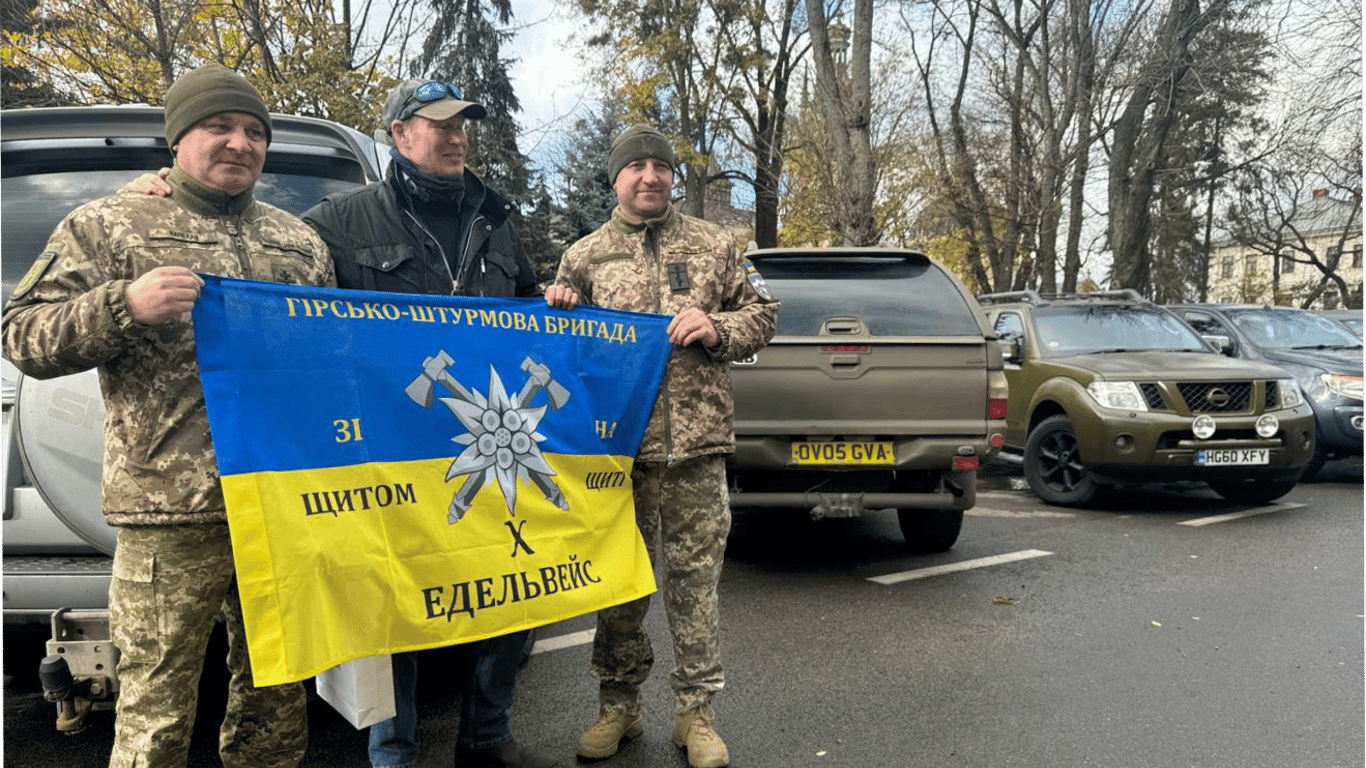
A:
x,y
35,272
757,281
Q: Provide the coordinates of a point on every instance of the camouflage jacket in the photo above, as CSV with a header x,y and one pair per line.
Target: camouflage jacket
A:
x,y
664,266
69,314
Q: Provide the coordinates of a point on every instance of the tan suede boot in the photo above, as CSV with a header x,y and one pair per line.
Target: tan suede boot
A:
x,y
604,737
693,731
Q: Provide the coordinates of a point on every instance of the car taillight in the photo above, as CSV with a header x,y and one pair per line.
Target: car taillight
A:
x,y
996,408
965,462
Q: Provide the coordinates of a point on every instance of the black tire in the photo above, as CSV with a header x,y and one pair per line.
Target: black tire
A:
x,y
1253,491
930,530
1316,462
1052,464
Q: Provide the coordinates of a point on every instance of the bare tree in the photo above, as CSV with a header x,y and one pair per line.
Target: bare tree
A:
x,y
846,102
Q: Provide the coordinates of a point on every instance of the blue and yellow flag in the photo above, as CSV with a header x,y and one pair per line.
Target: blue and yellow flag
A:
x,y
410,471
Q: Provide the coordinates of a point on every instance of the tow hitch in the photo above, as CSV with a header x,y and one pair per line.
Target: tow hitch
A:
x,y
78,673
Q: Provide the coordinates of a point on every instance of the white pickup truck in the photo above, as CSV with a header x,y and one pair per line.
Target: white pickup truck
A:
x,y
57,549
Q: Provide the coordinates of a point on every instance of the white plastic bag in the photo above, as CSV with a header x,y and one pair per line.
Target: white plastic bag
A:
x,y
361,690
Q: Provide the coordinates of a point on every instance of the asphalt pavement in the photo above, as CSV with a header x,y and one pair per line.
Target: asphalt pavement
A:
x,y
1163,628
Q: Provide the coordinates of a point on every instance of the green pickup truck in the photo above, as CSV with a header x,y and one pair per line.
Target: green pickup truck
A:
x,y
883,388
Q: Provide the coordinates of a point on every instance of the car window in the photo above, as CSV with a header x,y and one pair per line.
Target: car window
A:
x,y
1205,323
891,296
1073,330
34,204
1290,328
1009,326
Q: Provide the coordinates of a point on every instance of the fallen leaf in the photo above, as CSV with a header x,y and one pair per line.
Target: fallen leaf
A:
x,y
1157,623
1003,600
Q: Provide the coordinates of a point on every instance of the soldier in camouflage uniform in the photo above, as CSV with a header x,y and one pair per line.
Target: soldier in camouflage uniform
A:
x,y
112,291
651,258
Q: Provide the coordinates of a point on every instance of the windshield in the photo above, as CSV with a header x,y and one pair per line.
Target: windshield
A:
x,y
1077,330
1291,329
34,204
891,296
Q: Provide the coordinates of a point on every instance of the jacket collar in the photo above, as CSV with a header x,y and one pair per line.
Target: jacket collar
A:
x,y
199,199
657,224
494,206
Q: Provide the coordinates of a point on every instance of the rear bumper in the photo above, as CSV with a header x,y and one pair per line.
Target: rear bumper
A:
x,y
955,489
35,587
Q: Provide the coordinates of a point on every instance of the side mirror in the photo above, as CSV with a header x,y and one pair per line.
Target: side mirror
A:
x,y
1012,349
1219,343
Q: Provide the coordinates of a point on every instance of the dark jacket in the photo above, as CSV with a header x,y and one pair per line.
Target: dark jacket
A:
x,y
378,244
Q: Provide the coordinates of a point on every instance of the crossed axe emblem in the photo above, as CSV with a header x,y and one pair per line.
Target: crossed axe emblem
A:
x,y
501,441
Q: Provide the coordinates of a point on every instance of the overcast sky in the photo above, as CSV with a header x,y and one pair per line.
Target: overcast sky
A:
x,y
548,78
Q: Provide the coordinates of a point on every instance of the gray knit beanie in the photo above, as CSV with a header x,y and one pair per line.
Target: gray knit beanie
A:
x,y
637,143
207,91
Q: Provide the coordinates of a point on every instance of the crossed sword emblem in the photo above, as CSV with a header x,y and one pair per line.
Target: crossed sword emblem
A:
x,y
502,438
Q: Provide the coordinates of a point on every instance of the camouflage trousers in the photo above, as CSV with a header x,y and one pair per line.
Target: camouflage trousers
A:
x,y
170,584
684,515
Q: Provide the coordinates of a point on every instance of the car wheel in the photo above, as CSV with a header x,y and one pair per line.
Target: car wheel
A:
x,y
1052,464
930,530
1253,491
1316,462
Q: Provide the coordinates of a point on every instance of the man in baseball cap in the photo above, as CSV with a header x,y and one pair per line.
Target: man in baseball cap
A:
x,y
433,226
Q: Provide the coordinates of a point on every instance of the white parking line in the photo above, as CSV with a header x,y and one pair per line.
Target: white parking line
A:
x,y
560,642
966,565
1026,514
1199,521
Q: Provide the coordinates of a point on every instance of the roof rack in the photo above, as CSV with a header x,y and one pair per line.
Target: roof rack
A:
x,y
1034,297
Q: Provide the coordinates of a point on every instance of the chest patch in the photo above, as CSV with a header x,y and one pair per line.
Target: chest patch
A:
x,y
678,276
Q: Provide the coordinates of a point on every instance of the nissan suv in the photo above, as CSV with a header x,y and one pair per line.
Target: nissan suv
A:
x,y
1108,388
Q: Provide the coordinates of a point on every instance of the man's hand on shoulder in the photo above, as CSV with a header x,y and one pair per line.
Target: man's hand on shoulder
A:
x,y
163,294
150,184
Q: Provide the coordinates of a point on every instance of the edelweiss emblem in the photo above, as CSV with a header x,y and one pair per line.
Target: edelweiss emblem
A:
x,y
501,441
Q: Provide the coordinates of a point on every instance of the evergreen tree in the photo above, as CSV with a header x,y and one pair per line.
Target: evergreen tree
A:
x,y
464,46
589,198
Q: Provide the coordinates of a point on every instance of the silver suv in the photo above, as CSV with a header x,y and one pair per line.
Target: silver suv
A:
x,y
57,546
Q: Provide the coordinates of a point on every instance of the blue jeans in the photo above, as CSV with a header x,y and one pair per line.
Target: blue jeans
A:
x,y
487,671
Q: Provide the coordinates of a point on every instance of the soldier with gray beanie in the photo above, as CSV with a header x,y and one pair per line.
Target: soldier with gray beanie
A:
x,y
113,290
651,258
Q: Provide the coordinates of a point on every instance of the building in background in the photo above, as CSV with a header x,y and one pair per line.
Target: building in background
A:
x,y
1276,266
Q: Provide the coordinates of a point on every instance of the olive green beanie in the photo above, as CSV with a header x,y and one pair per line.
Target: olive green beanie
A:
x,y
637,143
207,91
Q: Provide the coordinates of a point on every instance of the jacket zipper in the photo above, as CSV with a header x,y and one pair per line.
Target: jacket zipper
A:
x,y
652,247
455,287
465,252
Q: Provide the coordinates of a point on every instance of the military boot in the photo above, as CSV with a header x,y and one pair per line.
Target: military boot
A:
x,y
694,732
604,737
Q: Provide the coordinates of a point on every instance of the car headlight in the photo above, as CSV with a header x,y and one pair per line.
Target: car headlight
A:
x,y
1290,393
1343,385
1123,395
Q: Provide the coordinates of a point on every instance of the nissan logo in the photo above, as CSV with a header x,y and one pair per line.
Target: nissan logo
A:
x,y
1217,397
